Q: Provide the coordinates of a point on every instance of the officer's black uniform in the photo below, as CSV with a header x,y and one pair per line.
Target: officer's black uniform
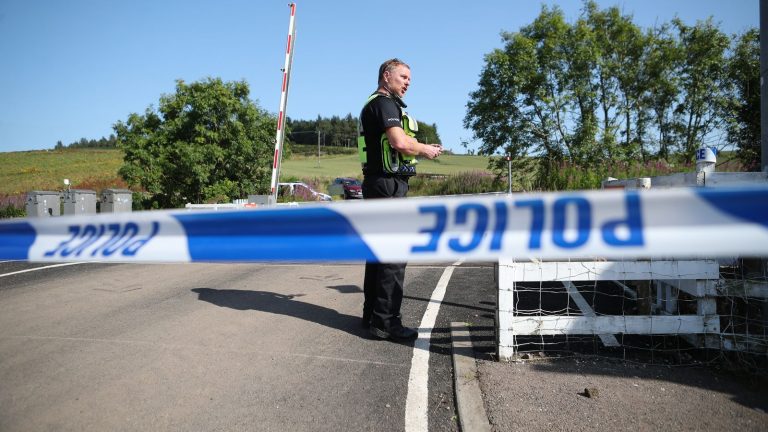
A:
x,y
383,284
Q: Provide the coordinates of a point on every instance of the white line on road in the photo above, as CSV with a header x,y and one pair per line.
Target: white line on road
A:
x,y
39,268
418,381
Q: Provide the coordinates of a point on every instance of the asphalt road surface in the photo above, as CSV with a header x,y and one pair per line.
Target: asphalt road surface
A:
x,y
93,347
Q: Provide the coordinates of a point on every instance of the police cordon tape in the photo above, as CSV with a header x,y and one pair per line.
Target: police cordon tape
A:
x,y
690,222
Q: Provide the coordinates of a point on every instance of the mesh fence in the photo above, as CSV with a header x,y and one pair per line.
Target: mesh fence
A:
x,y
662,311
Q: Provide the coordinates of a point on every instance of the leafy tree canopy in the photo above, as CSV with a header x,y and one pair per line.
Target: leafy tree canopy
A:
x,y
602,89
207,142
743,110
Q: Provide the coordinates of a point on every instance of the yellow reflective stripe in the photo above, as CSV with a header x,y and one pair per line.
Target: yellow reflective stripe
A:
x,y
362,154
391,159
410,124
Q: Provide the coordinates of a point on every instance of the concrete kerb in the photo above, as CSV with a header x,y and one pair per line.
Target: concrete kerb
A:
x,y
469,399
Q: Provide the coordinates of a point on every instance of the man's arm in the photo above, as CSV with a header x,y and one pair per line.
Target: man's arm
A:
x,y
409,146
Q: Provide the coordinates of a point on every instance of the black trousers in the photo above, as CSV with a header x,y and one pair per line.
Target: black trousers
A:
x,y
383,283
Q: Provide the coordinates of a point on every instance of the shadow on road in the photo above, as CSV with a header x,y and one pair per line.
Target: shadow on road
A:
x,y
448,303
281,304
346,289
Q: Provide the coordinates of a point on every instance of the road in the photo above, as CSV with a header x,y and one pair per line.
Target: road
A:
x,y
222,347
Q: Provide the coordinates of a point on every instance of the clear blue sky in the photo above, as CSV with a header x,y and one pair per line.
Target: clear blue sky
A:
x,y
71,69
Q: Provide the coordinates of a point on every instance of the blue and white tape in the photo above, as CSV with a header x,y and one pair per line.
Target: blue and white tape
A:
x,y
610,224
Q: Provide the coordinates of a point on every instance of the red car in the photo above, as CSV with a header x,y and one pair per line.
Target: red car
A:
x,y
349,187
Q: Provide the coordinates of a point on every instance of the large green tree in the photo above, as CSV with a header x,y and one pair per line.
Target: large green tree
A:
x,y
619,49
661,66
702,80
743,107
207,142
602,90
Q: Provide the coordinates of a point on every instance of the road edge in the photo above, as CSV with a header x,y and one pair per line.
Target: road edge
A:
x,y
469,399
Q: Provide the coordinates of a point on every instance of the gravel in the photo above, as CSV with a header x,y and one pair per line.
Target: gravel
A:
x,y
581,393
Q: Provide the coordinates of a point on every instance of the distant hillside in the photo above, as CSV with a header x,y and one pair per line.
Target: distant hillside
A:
x,y
21,172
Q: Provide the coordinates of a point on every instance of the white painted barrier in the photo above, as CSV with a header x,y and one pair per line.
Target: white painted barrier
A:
x,y
697,276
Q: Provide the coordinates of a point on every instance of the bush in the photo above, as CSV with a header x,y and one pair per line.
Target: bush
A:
x,y
460,184
554,176
12,206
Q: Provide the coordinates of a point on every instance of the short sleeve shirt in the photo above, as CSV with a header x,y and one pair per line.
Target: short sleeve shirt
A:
x,y
377,116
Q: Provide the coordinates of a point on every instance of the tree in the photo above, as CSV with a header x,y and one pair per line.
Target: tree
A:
x,y
743,107
528,102
663,62
428,134
581,55
622,81
207,142
602,90
702,80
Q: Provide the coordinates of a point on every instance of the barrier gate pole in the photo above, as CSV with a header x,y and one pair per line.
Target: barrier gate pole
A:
x,y
280,136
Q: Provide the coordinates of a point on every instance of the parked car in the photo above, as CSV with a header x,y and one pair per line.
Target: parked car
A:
x,y
302,191
350,188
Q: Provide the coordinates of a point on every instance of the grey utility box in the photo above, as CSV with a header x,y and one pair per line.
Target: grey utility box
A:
x,y
116,201
43,204
79,201
261,200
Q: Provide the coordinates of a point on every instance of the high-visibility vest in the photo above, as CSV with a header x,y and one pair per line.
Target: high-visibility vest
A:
x,y
392,161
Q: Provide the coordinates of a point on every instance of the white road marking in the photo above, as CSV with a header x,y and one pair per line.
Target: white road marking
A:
x,y
39,268
418,381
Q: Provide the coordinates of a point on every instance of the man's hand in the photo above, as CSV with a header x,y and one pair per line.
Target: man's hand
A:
x,y
431,151
409,146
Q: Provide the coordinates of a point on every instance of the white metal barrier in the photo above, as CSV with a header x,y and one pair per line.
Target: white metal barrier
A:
x,y
696,277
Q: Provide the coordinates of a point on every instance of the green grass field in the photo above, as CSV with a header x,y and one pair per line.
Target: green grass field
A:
x,y
21,172
349,166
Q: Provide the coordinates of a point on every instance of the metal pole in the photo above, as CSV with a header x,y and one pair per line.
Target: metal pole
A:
x,y
318,147
280,136
509,172
763,84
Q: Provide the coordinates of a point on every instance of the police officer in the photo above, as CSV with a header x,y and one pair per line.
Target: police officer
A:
x,y
388,149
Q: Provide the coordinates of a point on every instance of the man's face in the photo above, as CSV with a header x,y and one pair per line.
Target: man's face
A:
x,y
398,80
